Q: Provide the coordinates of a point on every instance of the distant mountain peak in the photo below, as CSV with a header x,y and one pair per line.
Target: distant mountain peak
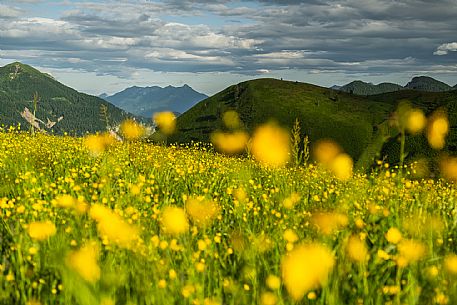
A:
x,y
363,88
145,101
426,83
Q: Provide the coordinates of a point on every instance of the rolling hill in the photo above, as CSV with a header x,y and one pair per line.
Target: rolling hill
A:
x,y
145,101
79,112
324,113
359,124
361,88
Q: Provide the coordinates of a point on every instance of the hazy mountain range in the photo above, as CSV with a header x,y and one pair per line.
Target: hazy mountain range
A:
x,y
421,83
145,101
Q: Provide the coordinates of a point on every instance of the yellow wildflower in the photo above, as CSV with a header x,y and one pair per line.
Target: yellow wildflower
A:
x,y
231,119
291,201
341,166
41,230
450,263
357,249
410,251
65,201
325,151
416,121
448,166
174,221
268,298
393,236
201,211
329,222
132,130
166,121
113,227
270,145
305,268
230,143
97,144
290,236
273,282
85,262
437,130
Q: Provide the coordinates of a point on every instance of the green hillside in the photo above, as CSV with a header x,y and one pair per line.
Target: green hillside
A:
x,y
80,112
324,113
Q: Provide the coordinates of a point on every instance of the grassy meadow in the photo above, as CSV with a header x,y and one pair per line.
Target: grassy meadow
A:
x,y
98,221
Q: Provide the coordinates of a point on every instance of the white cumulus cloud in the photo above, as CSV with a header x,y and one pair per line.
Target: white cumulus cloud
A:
x,y
445,48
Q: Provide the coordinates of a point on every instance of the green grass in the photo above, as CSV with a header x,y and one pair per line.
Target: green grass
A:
x,y
243,246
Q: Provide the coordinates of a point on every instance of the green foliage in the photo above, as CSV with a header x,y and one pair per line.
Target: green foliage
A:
x,y
104,116
300,155
295,137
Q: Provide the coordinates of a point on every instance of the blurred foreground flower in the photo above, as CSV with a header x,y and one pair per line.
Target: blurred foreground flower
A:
x,y
113,227
450,263
85,262
410,251
271,145
174,221
328,222
330,154
416,121
166,121
305,268
202,211
231,119
97,144
132,130
230,143
393,235
41,230
357,249
437,130
291,201
342,166
325,151
448,166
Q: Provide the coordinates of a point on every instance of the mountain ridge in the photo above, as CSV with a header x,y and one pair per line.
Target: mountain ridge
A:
x,y
420,83
145,101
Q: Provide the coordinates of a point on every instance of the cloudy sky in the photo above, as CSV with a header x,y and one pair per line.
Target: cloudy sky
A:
x,y
106,46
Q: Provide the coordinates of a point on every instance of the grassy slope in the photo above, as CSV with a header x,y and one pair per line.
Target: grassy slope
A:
x,y
323,113
81,112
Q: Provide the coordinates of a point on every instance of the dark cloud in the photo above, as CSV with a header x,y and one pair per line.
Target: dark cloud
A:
x,y
348,36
